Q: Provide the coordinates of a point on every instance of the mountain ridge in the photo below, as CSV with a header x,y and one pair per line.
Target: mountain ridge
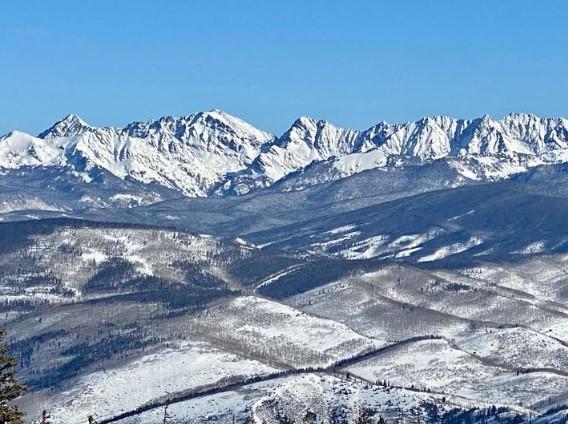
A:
x,y
215,153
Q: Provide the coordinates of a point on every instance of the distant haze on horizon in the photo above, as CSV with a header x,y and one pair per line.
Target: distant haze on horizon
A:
x,y
268,63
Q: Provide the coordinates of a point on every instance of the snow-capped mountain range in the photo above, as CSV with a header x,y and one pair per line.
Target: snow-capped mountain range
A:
x,y
214,153
376,268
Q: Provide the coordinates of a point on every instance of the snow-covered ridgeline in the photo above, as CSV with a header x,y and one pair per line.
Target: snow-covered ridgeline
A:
x,y
216,152
189,154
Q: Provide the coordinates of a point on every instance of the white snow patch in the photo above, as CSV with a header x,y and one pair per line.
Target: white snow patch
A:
x,y
451,249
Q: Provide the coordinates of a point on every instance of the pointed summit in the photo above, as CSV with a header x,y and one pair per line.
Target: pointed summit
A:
x,y
217,117
304,121
69,126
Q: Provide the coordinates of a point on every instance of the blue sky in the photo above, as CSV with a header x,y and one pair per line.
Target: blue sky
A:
x,y
352,62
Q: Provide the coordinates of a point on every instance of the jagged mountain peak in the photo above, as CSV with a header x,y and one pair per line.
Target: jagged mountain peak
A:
x,y
214,123
221,115
313,127
306,127
483,148
71,125
309,123
528,116
304,120
189,154
214,119
218,118
522,116
309,139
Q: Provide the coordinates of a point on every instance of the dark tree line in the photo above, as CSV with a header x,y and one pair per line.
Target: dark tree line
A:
x,y
10,388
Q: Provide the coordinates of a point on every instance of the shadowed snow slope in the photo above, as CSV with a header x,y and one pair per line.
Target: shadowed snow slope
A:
x,y
490,220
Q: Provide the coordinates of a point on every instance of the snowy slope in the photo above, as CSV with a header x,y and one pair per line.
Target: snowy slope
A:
x,y
440,367
121,316
54,188
472,221
305,142
180,367
188,154
481,149
280,333
332,400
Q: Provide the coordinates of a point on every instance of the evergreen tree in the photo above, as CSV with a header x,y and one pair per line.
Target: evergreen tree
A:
x,y
10,389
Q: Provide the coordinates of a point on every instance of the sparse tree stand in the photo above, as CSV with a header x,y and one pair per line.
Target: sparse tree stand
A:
x,y
364,417
10,389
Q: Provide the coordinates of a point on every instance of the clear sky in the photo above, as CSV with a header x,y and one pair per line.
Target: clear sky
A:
x,y
351,62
